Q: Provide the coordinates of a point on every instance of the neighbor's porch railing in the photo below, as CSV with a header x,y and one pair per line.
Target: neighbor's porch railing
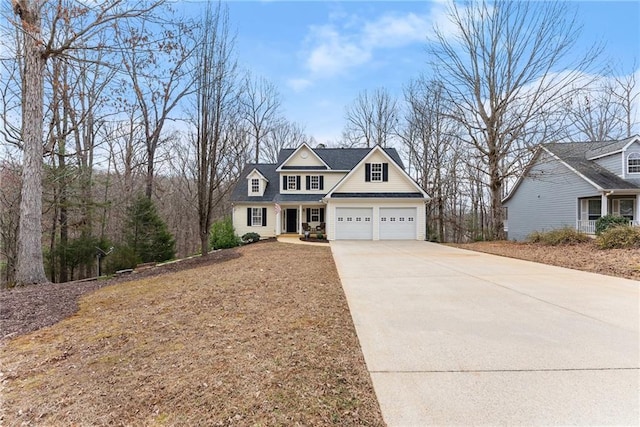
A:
x,y
589,227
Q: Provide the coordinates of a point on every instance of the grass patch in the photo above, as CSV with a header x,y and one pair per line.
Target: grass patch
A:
x,y
254,340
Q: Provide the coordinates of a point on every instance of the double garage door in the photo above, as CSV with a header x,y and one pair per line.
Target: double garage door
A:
x,y
391,223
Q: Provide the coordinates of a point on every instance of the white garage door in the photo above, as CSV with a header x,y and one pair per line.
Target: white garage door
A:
x,y
354,223
397,223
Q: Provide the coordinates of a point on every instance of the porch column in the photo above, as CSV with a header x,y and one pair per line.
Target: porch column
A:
x,y
604,205
278,221
636,216
300,221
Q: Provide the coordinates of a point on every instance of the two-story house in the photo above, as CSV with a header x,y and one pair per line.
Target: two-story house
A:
x,y
345,193
573,184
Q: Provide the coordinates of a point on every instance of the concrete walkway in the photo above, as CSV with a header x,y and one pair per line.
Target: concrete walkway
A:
x,y
454,337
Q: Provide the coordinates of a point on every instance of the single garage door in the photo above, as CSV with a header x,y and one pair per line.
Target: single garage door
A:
x,y
354,223
398,223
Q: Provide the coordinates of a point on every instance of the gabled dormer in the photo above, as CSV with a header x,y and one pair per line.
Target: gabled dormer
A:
x,y
303,158
256,183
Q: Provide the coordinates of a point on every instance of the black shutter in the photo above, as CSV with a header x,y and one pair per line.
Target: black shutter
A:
x,y
308,182
385,172
264,217
249,217
321,214
321,182
297,182
367,172
308,214
284,182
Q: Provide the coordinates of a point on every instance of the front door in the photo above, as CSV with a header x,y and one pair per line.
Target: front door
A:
x,y
292,220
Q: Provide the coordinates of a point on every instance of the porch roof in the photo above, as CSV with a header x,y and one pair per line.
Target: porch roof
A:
x,y
298,198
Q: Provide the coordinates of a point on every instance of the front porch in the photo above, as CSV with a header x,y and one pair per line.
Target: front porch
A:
x,y
589,226
592,208
295,220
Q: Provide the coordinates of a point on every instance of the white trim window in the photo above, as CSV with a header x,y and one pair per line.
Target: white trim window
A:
x,y
256,217
633,162
255,185
291,182
591,209
315,215
314,182
376,172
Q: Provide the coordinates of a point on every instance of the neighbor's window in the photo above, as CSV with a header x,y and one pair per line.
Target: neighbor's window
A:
x,y
256,216
633,163
626,208
376,171
255,185
315,182
291,182
594,209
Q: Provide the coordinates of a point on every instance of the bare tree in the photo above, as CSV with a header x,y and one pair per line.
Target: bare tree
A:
x,y
9,218
38,45
159,75
372,119
217,121
430,136
503,69
284,134
626,93
600,111
261,102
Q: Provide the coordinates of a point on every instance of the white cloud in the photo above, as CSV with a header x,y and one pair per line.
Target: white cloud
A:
x,y
335,52
392,31
299,85
348,41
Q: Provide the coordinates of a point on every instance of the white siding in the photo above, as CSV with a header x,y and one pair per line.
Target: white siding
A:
x,y
304,157
546,199
240,220
398,182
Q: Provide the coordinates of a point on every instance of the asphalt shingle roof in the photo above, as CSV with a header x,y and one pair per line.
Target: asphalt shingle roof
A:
x,y
575,154
342,159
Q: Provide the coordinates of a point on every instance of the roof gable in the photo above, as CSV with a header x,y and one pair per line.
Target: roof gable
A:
x,y
374,155
303,157
255,173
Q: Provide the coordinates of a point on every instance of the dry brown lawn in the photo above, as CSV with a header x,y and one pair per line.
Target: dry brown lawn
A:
x,y
262,338
584,256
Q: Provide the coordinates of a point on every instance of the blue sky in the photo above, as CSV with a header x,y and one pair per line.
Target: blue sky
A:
x,y
321,54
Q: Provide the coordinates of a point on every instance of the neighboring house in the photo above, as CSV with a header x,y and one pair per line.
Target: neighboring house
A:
x,y
573,184
345,193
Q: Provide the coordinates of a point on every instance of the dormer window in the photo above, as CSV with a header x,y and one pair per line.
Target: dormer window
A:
x,y
255,185
633,163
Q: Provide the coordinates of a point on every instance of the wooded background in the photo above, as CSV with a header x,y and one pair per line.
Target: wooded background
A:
x,y
106,105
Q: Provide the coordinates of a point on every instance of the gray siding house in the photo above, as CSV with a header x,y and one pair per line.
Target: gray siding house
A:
x,y
573,184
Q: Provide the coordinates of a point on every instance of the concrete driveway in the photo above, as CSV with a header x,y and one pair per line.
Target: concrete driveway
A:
x,y
454,337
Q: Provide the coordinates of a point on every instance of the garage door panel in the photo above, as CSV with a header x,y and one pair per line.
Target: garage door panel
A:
x,y
397,223
354,223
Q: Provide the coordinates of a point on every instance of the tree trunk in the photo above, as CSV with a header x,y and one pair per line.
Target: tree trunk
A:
x,y
30,268
495,185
